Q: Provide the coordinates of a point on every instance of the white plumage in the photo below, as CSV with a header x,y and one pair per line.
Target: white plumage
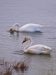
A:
x,y
31,27
38,49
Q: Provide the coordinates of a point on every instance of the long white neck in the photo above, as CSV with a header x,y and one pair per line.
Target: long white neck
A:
x,y
16,27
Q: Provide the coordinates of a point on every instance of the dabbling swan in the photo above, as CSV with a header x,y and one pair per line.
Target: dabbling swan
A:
x,y
31,27
37,49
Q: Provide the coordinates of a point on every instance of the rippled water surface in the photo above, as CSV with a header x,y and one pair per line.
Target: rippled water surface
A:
x,y
29,11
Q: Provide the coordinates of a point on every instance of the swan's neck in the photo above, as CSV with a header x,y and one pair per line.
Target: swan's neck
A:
x,y
16,27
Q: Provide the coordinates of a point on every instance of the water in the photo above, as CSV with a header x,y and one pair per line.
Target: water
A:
x,y
29,11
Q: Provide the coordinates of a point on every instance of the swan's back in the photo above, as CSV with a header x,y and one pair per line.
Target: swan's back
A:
x,y
37,49
30,27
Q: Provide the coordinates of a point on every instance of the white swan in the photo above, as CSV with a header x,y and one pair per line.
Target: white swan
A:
x,y
37,49
27,28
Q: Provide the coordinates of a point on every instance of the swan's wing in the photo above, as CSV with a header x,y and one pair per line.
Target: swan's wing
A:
x,y
30,27
32,24
37,49
33,49
27,28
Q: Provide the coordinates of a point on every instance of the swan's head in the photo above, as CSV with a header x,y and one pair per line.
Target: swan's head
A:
x,y
26,42
26,39
11,31
14,28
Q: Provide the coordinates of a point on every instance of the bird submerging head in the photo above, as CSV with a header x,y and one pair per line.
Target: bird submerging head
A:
x,y
14,28
30,27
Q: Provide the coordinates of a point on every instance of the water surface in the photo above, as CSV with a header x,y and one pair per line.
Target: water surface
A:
x,y
29,11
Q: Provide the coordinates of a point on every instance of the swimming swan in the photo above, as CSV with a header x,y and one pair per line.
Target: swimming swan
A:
x,y
31,27
37,49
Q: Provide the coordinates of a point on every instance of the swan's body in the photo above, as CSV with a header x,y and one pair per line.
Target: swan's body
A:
x,y
38,49
35,49
27,28
30,28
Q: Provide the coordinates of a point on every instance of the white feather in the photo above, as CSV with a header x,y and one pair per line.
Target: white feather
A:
x,y
30,27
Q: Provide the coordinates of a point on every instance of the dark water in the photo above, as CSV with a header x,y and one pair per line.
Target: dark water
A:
x,y
29,11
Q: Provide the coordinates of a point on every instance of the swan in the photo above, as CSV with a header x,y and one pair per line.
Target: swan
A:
x,y
30,27
36,49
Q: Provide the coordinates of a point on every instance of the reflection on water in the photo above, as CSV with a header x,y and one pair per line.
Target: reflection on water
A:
x,y
10,68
